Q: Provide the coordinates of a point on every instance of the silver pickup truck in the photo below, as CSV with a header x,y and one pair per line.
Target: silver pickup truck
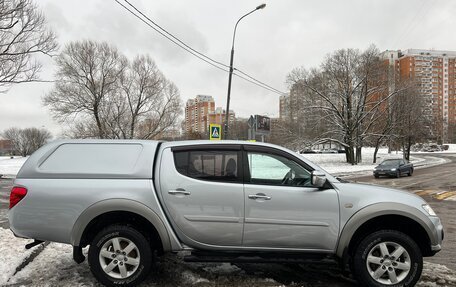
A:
x,y
227,201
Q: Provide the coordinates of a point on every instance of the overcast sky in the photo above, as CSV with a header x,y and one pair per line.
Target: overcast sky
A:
x,y
269,43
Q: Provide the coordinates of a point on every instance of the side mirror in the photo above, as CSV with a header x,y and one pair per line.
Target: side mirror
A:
x,y
318,179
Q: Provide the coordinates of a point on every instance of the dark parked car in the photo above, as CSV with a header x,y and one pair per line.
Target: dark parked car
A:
x,y
394,167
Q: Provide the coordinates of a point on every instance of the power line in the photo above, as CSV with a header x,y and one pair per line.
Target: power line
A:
x,y
174,37
148,24
162,31
264,84
410,27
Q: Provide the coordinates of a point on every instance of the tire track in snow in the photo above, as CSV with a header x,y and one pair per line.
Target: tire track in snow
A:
x,y
27,260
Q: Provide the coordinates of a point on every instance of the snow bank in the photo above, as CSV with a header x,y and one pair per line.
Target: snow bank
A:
x,y
437,275
10,167
13,254
451,147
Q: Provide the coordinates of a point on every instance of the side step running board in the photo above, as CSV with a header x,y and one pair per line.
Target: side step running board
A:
x,y
254,257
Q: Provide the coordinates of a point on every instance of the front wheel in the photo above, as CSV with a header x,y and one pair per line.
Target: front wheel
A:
x,y
120,256
388,258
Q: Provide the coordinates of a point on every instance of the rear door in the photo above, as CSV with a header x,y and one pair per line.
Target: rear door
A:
x,y
282,209
202,191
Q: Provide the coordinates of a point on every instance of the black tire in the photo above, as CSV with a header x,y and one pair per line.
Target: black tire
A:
x,y
369,244
123,234
376,176
410,172
398,174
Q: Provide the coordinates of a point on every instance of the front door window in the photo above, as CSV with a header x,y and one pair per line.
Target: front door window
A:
x,y
273,169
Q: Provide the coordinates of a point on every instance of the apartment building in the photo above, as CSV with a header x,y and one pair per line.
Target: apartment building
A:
x,y
200,112
284,107
218,116
196,113
291,104
435,72
6,147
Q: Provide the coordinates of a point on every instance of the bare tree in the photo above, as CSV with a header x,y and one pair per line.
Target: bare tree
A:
x,y
26,141
291,134
411,126
382,130
239,129
23,33
345,94
14,135
152,102
107,96
304,124
88,75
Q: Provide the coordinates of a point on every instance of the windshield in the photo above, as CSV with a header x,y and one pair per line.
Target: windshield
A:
x,y
391,162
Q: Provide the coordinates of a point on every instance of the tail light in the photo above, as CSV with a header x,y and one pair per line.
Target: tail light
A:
x,y
17,194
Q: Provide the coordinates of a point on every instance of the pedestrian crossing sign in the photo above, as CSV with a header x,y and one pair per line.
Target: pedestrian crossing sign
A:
x,y
215,132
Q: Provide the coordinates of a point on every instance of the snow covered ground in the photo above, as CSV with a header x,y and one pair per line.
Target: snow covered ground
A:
x,y
54,266
451,149
337,165
10,167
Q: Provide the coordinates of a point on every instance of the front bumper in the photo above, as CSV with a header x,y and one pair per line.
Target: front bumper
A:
x,y
385,173
438,235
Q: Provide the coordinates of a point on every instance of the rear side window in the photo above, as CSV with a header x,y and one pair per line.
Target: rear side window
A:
x,y
208,165
99,159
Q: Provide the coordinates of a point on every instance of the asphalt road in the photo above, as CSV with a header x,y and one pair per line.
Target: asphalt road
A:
x,y
437,185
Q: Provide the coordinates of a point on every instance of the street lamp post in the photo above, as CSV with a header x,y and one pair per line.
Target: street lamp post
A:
x,y
227,112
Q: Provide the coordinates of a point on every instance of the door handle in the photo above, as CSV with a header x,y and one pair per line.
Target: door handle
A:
x,y
259,196
179,191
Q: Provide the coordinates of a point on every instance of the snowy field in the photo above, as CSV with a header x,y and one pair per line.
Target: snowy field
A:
x,y
54,266
10,167
335,163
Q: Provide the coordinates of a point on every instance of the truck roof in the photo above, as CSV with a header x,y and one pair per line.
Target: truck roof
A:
x,y
92,158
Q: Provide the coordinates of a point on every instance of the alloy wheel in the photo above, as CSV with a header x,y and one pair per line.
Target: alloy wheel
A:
x,y
119,257
388,263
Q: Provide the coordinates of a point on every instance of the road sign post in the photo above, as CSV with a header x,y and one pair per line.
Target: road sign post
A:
x,y
215,132
251,124
262,126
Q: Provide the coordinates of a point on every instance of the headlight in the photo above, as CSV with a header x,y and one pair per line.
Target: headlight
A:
x,y
393,169
429,210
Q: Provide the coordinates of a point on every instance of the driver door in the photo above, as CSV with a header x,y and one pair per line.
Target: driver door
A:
x,y
282,209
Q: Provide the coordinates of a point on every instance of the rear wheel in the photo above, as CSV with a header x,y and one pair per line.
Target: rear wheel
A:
x,y
388,258
120,256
